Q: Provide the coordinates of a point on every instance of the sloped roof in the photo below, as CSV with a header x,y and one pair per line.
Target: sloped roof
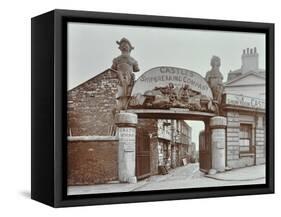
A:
x,y
233,74
95,77
259,74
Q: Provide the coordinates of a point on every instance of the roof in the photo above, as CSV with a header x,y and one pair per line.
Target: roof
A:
x,y
260,74
233,74
238,72
95,77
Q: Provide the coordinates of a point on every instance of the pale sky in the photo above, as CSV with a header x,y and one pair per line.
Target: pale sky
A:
x,y
92,47
196,126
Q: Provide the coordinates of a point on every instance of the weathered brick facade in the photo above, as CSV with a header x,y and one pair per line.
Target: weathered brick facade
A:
x,y
92,162
90,105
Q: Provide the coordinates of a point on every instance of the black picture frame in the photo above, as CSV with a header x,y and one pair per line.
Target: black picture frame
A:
x,y
49,92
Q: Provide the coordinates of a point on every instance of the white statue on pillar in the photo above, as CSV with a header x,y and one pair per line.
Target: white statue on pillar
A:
x,y
125,65
215,79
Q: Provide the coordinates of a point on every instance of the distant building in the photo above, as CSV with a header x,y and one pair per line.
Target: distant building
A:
x,y
249,80
174,138
192,152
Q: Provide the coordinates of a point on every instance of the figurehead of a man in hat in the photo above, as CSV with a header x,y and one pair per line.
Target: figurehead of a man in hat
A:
x,y
125,46
125,62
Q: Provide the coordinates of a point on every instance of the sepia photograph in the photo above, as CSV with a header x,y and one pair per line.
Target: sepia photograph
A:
x,y
157,108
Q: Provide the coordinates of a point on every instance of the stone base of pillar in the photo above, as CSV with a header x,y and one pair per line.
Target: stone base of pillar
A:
x,y
218,141
132,179
212,172
126,132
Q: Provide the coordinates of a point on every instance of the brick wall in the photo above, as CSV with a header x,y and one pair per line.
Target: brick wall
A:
x,y
92,162
90,105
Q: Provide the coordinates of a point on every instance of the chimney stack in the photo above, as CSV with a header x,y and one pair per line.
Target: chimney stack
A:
x,y
250,60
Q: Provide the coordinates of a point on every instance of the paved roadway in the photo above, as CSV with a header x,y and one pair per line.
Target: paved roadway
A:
x,y
187,176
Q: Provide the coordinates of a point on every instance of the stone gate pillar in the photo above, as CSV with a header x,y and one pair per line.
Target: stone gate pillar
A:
x,y
126,123
218,141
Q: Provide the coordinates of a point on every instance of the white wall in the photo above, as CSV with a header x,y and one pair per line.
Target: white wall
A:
x,y
15,106
253,91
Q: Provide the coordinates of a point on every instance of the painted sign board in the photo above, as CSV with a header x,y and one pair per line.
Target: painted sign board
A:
x,y
245,101
127,137
163,75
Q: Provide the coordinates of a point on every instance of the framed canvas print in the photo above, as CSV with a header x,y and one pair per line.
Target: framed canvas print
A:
x,y
135,108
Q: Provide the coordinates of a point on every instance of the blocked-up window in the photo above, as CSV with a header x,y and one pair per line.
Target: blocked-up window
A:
x,y
246,138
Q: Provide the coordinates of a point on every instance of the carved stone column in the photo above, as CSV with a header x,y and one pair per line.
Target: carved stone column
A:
x,y
218,141
126,123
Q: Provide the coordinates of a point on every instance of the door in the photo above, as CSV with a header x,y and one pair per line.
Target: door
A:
x,y
142,154
205,150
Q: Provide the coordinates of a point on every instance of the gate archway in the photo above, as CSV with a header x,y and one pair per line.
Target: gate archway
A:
x,y
205,148
174,94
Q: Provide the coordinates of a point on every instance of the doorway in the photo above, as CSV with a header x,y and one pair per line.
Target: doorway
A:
x,y
142,154
200,149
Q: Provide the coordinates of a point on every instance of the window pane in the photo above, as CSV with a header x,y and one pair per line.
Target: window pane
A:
x,y
245,137
244,145
245,131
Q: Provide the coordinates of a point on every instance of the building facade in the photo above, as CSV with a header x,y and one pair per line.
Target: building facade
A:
x,y
245,130
245,112
91,121
249,80
174,138
90,105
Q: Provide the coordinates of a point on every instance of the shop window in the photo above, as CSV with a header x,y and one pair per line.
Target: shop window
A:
x,y
246,138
